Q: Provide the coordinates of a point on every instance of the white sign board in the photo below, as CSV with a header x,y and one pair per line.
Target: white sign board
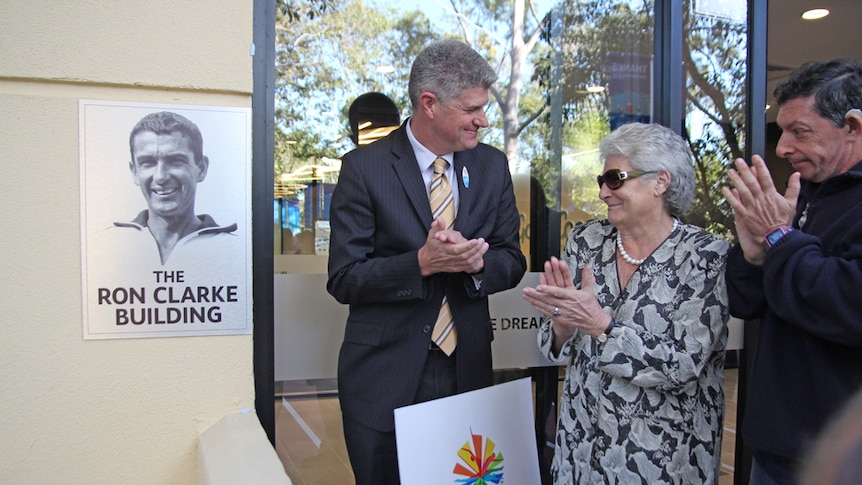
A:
x,y
516,328
309,328
487,434
165,219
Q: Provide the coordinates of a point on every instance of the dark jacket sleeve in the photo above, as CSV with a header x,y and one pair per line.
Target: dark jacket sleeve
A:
x,y
744,286
373,252
813,290
505,264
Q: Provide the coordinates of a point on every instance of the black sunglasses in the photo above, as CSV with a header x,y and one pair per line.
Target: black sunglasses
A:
x,y
615,177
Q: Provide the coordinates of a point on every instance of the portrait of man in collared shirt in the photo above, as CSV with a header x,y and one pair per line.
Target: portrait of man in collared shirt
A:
x,y
167,163
166,219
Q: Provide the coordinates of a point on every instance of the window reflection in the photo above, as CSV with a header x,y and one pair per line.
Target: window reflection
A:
x,y
605,53
581,68
715,51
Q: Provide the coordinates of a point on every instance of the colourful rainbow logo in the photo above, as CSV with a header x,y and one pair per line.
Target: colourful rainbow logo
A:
x,y
484,467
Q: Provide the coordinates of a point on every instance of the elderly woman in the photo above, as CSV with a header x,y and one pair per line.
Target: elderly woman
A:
x,y
638,312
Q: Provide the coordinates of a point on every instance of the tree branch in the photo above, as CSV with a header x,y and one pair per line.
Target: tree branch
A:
x,y
530,119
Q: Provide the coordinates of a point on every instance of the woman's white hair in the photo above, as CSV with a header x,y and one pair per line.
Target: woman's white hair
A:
x,y
651,148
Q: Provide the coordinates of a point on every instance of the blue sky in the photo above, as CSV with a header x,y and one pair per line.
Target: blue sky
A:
x,y
436,9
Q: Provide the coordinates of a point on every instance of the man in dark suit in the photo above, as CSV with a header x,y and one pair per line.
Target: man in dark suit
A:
x,y
393,262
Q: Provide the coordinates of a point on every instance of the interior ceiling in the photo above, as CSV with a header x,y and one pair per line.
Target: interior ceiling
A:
x,y
793,41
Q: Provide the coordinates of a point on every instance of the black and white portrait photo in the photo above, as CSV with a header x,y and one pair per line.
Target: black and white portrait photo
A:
x,y
165,219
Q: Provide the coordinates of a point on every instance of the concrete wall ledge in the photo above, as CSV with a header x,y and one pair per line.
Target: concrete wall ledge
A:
x,y
236,450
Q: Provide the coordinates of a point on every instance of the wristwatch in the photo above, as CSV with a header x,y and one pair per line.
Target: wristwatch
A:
x,y
603,337
774,236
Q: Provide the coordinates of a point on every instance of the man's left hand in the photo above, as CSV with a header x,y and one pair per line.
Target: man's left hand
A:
x,y
757,206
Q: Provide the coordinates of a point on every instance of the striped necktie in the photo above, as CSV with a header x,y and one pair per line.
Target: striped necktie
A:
x,y
443,205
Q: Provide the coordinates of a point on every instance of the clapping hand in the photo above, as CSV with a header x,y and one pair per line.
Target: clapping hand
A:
x,y
570,308
448,251
757,206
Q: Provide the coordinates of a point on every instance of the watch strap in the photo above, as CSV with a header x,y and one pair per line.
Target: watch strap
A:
x,y
775,235
603,337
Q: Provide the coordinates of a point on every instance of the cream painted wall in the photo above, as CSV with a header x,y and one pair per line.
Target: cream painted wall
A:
x,y
109,411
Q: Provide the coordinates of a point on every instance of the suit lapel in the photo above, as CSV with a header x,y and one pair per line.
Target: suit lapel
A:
x,y
464,168
407,169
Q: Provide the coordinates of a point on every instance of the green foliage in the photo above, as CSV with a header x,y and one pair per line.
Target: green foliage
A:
x,y
327,60
715,84
296,11
715,54
592,30
328,52
709,209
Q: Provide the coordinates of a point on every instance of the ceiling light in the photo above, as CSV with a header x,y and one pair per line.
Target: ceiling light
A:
x,y
817,13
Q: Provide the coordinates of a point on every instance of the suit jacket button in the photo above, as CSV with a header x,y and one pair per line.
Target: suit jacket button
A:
x,y
426,329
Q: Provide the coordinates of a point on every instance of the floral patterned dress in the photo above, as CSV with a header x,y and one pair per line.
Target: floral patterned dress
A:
x,y
646,407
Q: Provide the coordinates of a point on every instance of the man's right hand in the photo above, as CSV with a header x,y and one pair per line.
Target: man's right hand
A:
x,y
447,251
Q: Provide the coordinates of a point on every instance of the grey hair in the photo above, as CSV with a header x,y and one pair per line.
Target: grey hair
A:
x,y
653,147
446,68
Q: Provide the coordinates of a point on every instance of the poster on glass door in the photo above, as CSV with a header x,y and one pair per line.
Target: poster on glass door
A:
x,y
165,219
629,88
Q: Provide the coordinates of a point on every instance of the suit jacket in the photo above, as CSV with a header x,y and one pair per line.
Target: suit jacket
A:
x,y
380,217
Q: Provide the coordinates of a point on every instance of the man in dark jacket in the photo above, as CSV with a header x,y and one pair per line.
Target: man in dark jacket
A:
x,y
798,267
398,264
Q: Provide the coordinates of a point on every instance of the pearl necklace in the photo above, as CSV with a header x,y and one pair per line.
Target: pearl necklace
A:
x,y
631,260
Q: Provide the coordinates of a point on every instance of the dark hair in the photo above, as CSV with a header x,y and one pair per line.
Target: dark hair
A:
x,y
375,108
835,84
165,123
446,68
